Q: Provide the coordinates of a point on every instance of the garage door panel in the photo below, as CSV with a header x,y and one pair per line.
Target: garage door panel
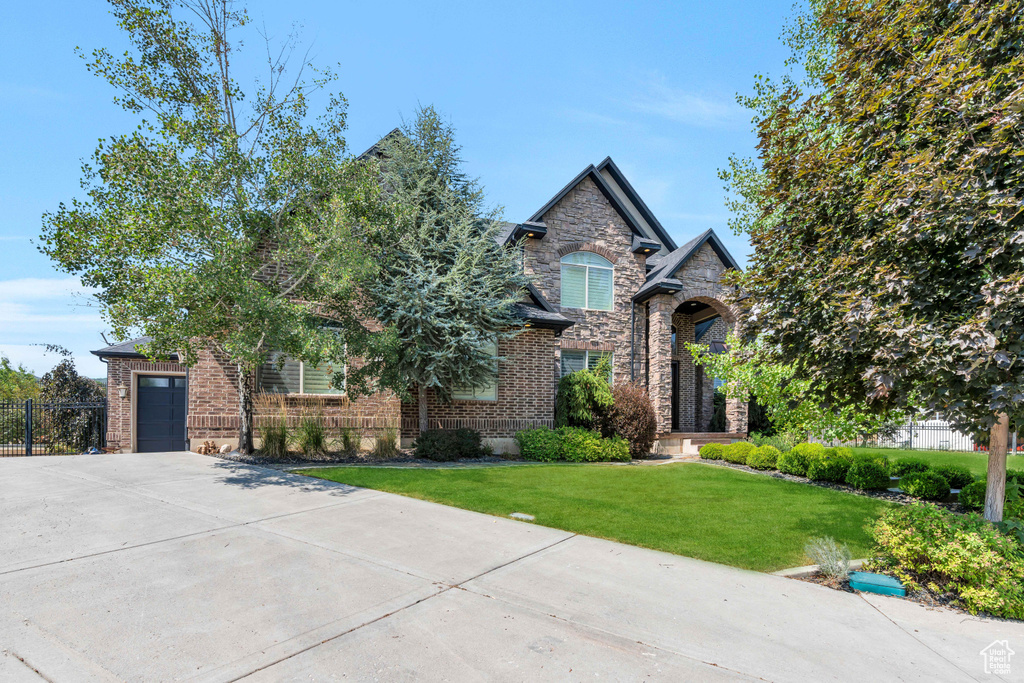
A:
x,y
160,414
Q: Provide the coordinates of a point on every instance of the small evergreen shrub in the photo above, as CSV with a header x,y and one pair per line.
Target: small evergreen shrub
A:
x,y
738,452
908,465
962,555
795,461
972,496
584,397
632,417
958,476
447,445
925,485
783,442
712,451
867,475
832,466
763,457
541,444
878,459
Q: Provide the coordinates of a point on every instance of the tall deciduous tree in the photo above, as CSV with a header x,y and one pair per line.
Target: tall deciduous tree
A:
x,y
888,213
447,289
223,221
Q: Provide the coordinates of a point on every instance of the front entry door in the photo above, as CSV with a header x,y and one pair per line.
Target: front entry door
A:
x,y
160,414
675,396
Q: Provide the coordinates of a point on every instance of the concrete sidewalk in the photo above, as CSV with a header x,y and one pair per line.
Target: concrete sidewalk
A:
x,y
180,566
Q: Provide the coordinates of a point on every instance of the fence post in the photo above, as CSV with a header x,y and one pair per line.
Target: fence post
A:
x,y
28,427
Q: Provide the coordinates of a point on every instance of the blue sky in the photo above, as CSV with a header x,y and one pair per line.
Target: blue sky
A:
x,y
536,90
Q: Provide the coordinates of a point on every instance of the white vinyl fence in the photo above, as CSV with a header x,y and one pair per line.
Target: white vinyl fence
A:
x,y
930,435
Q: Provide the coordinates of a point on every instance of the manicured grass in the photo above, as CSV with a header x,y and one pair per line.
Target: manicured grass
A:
x,y
977,463
712,513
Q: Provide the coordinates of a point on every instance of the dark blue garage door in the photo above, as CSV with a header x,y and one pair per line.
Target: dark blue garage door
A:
x,y
160,421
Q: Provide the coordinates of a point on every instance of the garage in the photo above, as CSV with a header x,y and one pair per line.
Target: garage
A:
x,y
160,414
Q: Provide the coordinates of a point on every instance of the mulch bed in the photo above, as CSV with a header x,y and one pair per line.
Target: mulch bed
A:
x,y
892,496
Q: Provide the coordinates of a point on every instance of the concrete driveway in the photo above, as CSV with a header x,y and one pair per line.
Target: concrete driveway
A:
x,y
180,566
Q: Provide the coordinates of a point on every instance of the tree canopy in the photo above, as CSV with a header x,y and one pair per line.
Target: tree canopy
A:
x,y
224,221
887,215
446,289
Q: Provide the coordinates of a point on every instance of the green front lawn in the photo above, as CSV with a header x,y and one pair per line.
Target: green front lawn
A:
x,y
977,463
711,513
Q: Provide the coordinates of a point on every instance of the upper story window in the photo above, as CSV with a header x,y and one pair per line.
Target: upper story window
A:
x,y
586,281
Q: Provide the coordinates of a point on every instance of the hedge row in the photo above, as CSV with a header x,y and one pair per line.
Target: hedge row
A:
x,y
571,444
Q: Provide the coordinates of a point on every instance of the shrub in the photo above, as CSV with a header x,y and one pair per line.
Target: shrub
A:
x,y
580,445
926,485
833,560
945,553
311,437
783,442
447,445
540,444
908,465
386,445
763,457
584,397
796,460
972,496
958,476
867,475
1015,475
831,465
738,452
615,449
632,417
876,458
712,451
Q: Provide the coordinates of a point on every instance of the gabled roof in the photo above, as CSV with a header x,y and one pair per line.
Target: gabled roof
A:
x,y
375,148
540,313
126,349
602,184
662,278
648,216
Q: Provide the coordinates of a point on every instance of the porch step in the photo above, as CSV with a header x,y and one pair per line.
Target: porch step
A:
x,y
689,443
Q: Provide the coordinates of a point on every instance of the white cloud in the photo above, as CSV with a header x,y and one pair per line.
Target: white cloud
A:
x,y
658,98
35,288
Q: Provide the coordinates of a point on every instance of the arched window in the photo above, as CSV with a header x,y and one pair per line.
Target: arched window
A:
x,y
586,281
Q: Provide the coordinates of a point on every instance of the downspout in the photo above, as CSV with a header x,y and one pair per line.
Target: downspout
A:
x,y
632,341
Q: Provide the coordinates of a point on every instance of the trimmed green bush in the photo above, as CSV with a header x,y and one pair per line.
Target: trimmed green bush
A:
x,y
946,553
1015,475
867,475
908,465
796,460
876,458
925,485
712,451
763,457
958,476
738,452
541,444
832,466
972,496
447,445
783,442
572,444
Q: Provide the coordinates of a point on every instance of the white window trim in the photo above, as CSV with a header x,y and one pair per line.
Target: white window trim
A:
x,y
586,283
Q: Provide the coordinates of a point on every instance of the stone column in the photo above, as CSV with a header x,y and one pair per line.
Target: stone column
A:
x,y
735,415
660,343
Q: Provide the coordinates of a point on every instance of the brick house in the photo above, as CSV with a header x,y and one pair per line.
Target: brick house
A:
x,y
608,280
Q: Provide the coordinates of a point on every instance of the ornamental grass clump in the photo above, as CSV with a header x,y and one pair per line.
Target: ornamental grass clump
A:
x,y
385,447
712,451
737,452
833,559
311,435
272,426
960,556
763,457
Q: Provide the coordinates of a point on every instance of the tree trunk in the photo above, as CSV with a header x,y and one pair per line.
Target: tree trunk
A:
x,y
423,408
995,490
245,438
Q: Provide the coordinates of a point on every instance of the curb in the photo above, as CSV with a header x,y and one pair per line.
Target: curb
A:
x,y
812,569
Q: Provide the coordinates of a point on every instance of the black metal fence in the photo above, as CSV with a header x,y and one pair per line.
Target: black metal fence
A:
x,y
40,428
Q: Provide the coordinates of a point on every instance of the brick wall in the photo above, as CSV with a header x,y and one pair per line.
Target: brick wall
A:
x,y
584,220
526,393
